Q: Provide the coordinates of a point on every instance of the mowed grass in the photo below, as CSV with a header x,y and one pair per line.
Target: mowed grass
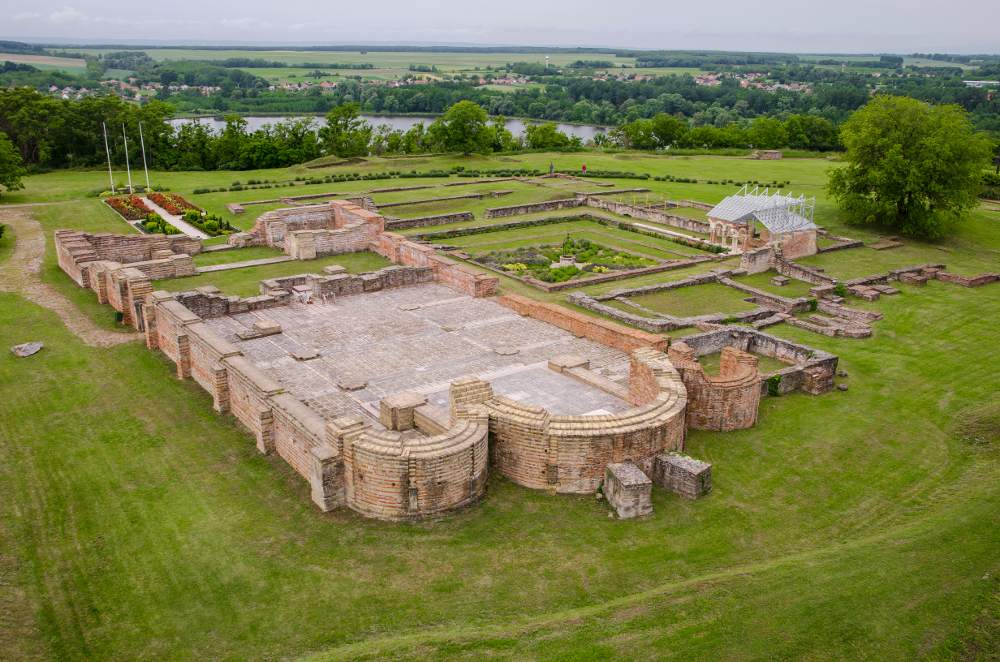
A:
x,y
555,233
145,525
762,281
245,281
235,255
695,300
7,243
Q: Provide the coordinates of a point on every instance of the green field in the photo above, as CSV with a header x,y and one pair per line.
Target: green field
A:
x,y
235,255
696,300
137,523
245,282
766,364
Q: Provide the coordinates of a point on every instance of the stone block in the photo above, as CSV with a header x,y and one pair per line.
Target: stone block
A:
x,y
683,475
334,270
350,384
395,412
780,281
628,490
266,327
565,362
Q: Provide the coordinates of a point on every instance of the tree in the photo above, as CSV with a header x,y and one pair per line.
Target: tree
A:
x,y
11,166
345,133
463,128
668,129
546,136
911,167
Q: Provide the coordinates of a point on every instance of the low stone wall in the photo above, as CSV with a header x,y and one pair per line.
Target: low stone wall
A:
x,y
428,221
791,269
583,326
655,322
152,253
645,214
723,402
344,284
758,260
968,281
821,366
208,304
447,198
569,454
532,208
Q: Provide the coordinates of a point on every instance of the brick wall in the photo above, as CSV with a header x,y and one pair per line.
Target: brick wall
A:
x,y
723,402
532,208
427,221
642,213
569,453
583,326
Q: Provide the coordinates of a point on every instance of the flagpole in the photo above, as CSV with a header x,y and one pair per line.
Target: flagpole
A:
x,y
107,151
127,167
142,142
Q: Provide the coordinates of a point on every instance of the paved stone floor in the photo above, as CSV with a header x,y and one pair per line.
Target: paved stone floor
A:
x,y
421,339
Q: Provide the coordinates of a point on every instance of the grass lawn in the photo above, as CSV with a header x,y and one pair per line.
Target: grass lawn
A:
x,y
555,233
695,300
160,532
235,255
762,281
137,523
7,243
246,282
766,364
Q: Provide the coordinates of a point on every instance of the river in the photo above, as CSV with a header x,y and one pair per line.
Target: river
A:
x,y
586,132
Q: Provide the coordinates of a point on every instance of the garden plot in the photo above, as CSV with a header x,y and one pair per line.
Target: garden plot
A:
x,y
574,258
634,242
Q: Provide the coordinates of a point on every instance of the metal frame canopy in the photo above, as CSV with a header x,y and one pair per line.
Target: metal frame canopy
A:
x,y
779,212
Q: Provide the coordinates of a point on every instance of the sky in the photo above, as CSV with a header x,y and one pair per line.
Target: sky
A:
x,y
804,26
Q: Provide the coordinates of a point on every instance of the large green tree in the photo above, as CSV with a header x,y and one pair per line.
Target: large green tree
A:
x,y
346,134
911,167
11,166
463,128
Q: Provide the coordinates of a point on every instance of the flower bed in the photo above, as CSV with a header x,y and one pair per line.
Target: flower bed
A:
x,y
172,203
131,207
212,224
574,258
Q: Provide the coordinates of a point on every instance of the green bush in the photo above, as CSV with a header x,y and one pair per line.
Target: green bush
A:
x,y
773,382
840,290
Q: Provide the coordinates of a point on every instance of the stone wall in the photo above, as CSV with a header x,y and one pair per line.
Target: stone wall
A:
x,y
569,454
532,208
447,271
968,281
344,284
822,366
206,303
758,260
427,221
646,214
583,326
723,402
160,256
796,244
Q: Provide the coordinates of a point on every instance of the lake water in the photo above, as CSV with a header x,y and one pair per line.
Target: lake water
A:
x,y
400,122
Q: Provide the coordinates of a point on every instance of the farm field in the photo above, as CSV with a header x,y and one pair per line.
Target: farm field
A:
x,y
137,523
70,64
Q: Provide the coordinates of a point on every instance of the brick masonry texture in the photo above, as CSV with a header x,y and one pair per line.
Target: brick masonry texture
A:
x,y
727,401
583,326
628,490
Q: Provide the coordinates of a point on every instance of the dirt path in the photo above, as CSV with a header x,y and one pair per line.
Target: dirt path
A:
x,y
20,274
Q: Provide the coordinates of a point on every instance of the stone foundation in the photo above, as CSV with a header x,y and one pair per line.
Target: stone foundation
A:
x,y
628,490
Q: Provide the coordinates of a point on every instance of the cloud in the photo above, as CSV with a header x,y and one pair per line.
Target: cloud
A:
x,y
244,22
26,16
66,15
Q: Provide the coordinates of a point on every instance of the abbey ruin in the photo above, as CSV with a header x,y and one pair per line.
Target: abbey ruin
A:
x,y
394,393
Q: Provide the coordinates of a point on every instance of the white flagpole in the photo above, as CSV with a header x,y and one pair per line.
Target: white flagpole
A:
x,y
142,142
127,167
108,152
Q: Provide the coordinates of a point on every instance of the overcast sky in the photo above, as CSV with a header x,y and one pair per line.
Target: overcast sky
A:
x,y
861,26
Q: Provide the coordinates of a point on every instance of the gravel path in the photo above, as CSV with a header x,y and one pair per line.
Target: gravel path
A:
x,y
20,274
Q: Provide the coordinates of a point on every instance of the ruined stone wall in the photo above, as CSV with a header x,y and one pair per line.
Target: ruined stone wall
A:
x,y
297,430
446,271
569,454
821,365
427,221
208,305
206,351
645,214
786,267
583,326
757,260
250,391
74,250
968,281
725,402
390,477
797,244
532,208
